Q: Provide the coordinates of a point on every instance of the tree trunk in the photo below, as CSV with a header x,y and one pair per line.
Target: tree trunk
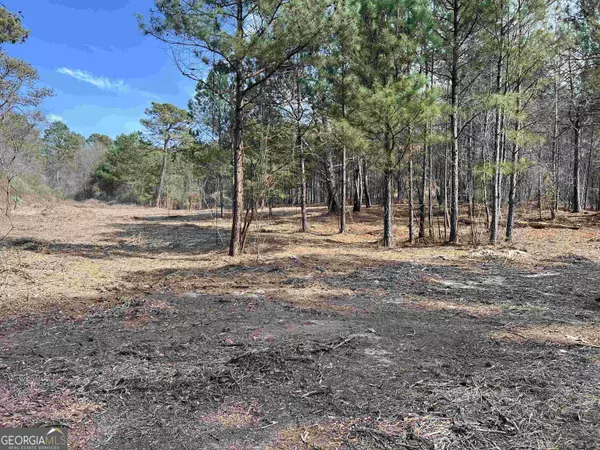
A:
x,y
540,194
497,186
365,182
576,162
498,148
411,206
358,193
445,192
422,191
344,188
300,146
512,192
163,175
589,169
430,196
470,184
388,238
238,171
332,203
454,86
221,197
303,212
555,156
484,180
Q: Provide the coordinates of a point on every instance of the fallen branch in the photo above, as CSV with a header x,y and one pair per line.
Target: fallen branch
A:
x,y
317,392
344,342
330,346
547,225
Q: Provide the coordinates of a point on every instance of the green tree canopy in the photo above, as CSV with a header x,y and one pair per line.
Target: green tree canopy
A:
x,y
11,27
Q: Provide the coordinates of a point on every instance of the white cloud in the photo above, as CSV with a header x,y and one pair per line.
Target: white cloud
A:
x,y
93,48
55,118
106,84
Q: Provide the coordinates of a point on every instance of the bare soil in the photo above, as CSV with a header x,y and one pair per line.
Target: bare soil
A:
x,y
132,327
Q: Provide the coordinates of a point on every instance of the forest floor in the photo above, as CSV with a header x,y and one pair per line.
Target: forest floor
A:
x,y
132,327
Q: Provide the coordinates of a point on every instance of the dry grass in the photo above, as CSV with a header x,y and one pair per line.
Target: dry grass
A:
x,y
139,315
586,335
233,415
469,309
337,434
72,256
314,296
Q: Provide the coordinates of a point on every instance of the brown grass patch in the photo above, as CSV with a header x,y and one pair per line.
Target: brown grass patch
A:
x,y
145,312
470,309
314,296
586,335
337,434
133,320
233,415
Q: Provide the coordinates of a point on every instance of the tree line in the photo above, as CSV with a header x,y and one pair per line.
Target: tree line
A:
x,y
468,110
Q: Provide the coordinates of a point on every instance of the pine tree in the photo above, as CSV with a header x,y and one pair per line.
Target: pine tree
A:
x,y
168,127
252,40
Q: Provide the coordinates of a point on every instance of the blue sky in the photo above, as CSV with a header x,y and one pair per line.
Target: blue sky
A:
x,y
104,72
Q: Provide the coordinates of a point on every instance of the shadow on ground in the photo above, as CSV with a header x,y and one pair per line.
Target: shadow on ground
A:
x,y
135,240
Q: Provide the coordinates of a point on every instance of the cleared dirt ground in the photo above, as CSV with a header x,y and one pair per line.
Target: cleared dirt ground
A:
x,y
132,327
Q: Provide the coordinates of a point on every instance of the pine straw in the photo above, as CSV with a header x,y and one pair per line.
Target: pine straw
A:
x,y
366,433
36,408
585,335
